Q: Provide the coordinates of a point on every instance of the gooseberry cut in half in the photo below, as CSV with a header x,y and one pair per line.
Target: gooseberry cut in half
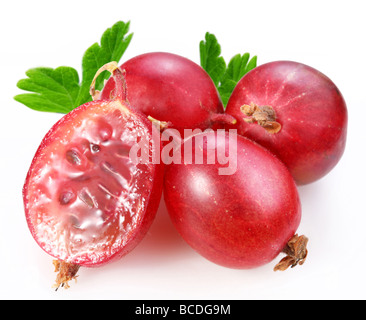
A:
x,y
86,201
241,219
294,111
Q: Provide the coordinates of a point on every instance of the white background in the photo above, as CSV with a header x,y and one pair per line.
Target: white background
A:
x,y
328,35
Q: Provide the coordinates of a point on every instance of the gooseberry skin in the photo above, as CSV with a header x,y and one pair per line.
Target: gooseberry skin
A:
x,y
170,88
240,221
308,106
85,202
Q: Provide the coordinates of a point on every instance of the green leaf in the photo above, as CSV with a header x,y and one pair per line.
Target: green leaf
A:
x,y
225,78
114,43
211,61
55,90
237,68
59,90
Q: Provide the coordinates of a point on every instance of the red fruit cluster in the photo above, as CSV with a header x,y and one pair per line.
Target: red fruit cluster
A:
x,y
88,203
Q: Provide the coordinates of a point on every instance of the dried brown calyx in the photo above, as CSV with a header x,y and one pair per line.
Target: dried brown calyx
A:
x,y
66,272
265,116
296,253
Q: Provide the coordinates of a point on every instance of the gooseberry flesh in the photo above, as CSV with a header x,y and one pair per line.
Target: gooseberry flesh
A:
x,y
86,201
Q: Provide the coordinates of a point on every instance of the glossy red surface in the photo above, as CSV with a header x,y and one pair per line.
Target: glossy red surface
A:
x,y
170,88
242,220
310,109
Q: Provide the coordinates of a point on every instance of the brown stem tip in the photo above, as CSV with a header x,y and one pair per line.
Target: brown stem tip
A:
x,y
111,67
160,125
265,116
66,272
120,91
296,253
